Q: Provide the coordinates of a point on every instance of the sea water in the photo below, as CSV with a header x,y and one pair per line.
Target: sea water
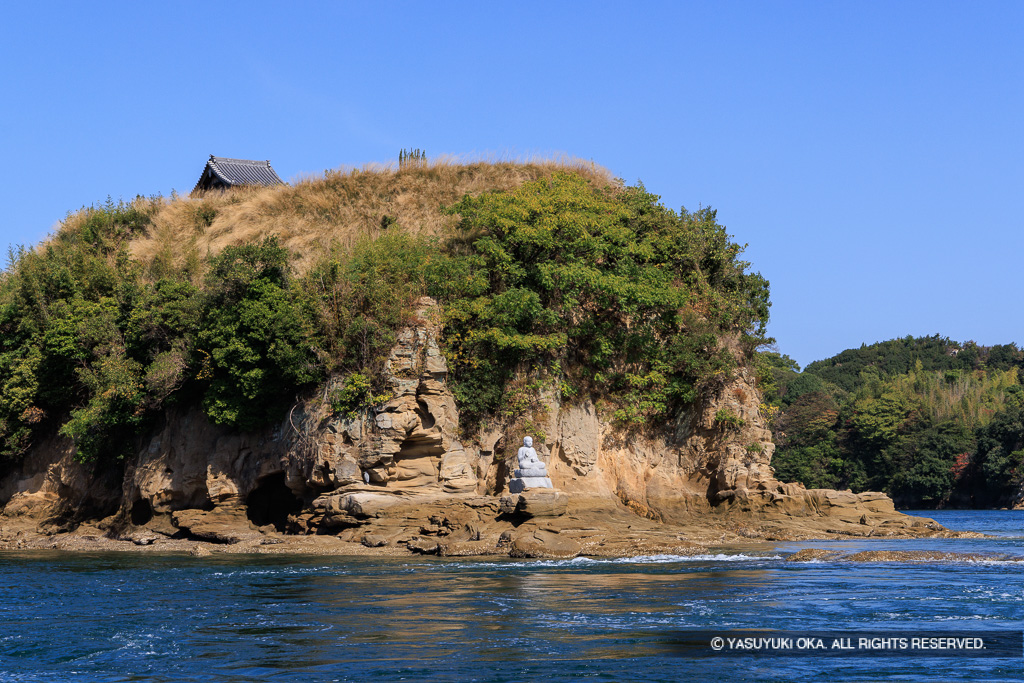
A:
x,y
150,617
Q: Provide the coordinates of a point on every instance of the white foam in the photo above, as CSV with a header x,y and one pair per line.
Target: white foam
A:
x,y
656,559
926,560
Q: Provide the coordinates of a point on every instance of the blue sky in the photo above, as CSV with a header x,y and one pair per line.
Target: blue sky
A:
x,y
870,153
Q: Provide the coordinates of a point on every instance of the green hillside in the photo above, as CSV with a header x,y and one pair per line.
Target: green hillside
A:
x,y
930,421
549,276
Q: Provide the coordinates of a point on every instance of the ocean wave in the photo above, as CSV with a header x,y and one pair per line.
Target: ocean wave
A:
x,y
1018,561
657,559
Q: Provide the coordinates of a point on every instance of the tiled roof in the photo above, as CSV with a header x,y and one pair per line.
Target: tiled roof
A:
x,y
237,172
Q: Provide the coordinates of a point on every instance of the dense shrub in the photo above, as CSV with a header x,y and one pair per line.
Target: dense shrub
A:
x,y
258,338
561,273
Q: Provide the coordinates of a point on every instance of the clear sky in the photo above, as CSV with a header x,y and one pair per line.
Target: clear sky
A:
x,y
870,153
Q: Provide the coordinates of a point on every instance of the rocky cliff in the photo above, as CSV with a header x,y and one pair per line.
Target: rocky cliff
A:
x,y
405,476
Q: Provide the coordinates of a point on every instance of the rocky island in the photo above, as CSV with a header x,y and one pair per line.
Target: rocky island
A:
x,y
352,371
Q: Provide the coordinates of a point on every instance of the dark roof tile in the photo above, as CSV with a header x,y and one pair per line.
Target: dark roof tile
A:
x,y
237,172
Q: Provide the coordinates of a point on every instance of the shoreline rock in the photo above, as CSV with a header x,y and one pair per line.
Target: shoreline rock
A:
x,y
466,528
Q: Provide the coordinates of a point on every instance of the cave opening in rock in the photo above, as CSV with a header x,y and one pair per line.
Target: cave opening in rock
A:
x,y
271,502
141,512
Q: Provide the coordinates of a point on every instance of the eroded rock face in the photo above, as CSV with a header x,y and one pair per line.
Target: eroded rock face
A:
x,y
191,463
371,476
713,460
49,484
411,443
580,431
407,446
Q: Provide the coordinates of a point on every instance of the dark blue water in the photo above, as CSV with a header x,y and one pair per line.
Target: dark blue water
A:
x,y
132,617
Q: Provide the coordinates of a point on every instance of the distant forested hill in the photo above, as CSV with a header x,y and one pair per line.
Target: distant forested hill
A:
x,y
931,421
899,356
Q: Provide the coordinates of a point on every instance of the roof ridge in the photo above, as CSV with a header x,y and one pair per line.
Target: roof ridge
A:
x,y
254,162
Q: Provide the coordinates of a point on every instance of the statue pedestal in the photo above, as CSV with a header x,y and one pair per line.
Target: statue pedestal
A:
x,y
520,484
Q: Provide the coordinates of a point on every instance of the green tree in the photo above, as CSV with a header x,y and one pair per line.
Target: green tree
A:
x,y
1000,452
259,341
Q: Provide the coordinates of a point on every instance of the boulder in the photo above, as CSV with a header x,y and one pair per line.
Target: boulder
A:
x,y
542,503
544,543
468,549
423,546
507,504
216,526
374,540
360,505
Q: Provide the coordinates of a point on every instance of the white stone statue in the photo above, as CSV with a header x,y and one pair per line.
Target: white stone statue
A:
x,y
532,472
528,459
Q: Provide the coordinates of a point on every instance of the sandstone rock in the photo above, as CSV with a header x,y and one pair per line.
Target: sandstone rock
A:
x,y
360,505
813,554
159,524
580,442
218,526
374,540
841,498
467,549
876,502
542,503
424,546
334,520
544,543
49,483
458,471
56,525
300,524
36,504
468,532
507,504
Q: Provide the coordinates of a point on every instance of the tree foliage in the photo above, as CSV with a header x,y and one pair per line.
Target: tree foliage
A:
x,y
930,421
562,273
258,338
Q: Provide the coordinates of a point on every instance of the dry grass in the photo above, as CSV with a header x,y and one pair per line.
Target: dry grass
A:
x,y
339,207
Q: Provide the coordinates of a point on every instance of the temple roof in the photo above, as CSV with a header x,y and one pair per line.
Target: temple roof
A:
x,y
224,172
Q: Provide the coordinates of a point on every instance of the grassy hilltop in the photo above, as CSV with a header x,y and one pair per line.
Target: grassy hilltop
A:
x,y
552,275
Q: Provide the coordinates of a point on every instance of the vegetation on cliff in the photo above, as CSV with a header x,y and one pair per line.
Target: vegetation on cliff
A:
x,y
243,300
930,421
